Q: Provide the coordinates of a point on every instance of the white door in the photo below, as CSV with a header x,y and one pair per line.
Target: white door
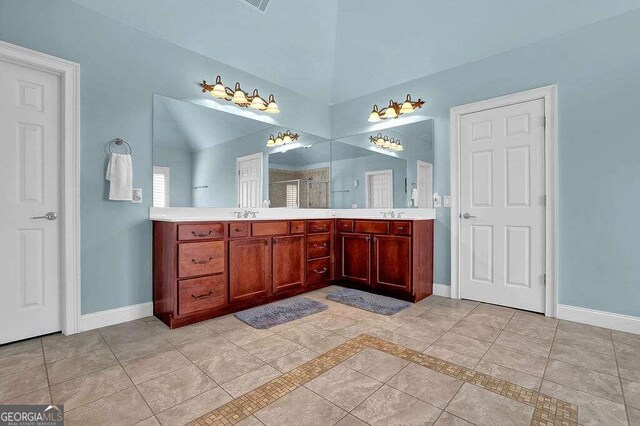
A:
x,y
502,231
29,187
249,170
379,189
425,185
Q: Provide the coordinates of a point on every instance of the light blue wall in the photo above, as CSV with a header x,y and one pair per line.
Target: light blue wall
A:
x,y
121,68
180,174
597,70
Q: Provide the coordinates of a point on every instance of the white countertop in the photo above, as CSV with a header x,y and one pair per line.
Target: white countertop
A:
x,y
197,214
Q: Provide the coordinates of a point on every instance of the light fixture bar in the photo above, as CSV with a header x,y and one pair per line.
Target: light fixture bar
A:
x,y
282,139
385,142
395,109
240,97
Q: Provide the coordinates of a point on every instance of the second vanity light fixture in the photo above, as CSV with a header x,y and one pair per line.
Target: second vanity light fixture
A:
x,y
387,143
240,97
281,139
395,109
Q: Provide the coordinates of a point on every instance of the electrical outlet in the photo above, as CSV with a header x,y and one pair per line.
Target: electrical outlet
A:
x,y
136,195
447,201
437,200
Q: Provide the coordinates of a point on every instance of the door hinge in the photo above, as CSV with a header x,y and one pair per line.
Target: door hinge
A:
x,y
544,279
544,121
544,200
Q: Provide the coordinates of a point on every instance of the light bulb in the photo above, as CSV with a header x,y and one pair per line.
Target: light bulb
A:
x,y
279,140
374,116
271,141
239,97
407,106
272,107
287,138
387,142
392,144
257,102
218,90
399,147
389,112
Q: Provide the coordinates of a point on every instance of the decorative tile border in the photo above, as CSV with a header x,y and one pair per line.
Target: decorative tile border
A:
x,y
547,410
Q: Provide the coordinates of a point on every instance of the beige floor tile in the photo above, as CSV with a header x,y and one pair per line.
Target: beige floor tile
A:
x,y
482,407
496,321
592,410
271,348
387,322
149,421
175,387
293,360
21,361
243,384
463,344
126,351
201,349
123,408
304,334
447,419
584,341
626,338
229,365
585,380
23,383
390,407
350,420
438,321
193,408
223,324
586,329
450,311
58,346
374,363
330,322
157,364
476,330
407,342
422,383
128,331
301,407
525,362
80,365
243,335
584,358
452,356
326,344
524,343
420,332
181,335
631,393
634,416
535,319
41,396
343,386
510,375
362,328
500,311
628,358
250,421
457,303
92,387
537,331
25,345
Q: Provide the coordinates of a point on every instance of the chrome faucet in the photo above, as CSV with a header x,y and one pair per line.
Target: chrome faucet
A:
x,y
248,213
400,215
388,214
238,214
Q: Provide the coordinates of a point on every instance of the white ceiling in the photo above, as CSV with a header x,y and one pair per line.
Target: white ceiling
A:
x,y
335,50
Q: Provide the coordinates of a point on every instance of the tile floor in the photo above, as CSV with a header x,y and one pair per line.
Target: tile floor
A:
x,y
143,373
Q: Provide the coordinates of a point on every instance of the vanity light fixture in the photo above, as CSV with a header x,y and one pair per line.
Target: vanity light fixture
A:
x,y
282,139
240,97
386,142
395,109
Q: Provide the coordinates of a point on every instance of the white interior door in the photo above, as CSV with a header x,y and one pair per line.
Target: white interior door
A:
x,y
249,170
30,117
379,189
425,185
502,231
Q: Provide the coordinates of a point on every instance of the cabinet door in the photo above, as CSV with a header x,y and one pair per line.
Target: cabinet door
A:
x,y
355,262
287,260
249,269
392,263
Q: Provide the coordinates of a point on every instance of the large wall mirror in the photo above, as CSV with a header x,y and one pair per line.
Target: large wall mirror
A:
x,y
205,157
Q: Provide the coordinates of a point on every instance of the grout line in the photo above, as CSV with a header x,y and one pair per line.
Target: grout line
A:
x,y
624,399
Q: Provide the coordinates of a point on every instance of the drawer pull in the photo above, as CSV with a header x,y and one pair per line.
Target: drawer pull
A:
x,y
401,228
202,262
203,296
238,229
320,271
319,228
195,234
324,245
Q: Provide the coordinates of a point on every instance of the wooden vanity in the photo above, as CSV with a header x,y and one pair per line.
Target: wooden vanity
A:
x,y
206,269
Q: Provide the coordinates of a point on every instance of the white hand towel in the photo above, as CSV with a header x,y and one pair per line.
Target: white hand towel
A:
x,y
119,174
414,196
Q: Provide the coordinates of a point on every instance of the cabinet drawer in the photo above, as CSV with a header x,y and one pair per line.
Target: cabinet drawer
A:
x,y
297,227
264,229
201,293
208,231
318,245
315,226
345,225
238,229
318,270
200,258
371,227
401,228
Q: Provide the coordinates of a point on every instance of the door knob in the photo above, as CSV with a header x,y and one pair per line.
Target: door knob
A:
x,y
48,216
468,216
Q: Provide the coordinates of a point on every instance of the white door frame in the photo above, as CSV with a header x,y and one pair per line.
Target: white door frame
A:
x,y
69,73
549,94
258,155
366,183
430,167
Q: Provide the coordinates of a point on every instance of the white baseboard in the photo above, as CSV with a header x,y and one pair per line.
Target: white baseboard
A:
x,y
610,320
442,290
115,316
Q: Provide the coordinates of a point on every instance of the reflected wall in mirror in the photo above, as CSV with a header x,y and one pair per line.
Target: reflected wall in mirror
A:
x,y
204,157
364,175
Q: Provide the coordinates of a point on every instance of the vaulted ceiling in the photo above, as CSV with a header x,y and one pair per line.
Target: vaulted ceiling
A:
x,y
335,50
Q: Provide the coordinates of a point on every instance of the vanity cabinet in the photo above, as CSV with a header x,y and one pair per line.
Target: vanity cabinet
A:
x,y
249,269
287,263
355,262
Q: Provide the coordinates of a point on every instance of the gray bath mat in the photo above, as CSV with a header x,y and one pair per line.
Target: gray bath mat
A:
x,y
370,302
275,313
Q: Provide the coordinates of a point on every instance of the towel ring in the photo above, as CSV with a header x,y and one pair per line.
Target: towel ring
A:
x,y
119,142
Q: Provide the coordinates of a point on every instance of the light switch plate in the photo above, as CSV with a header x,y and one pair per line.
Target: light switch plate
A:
x,y
437,200
136,195
447,201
